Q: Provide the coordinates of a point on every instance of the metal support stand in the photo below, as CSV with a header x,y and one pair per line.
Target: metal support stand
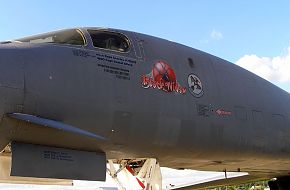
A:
x,y
136,174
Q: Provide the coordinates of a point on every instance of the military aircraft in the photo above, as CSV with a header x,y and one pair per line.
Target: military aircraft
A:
x,y
73,101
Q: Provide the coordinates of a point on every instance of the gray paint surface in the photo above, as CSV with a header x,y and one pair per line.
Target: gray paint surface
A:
x,y
241,122
49,162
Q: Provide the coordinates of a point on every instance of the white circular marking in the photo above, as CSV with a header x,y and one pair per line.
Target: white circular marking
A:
x,y
194,85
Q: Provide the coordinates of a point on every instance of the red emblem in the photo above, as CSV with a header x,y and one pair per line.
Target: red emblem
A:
x,y
163,78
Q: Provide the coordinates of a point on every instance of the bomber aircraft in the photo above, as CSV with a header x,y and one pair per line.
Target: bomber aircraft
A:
x,y
76,100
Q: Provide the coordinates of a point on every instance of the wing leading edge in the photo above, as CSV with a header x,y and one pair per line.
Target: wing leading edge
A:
x,y
223,182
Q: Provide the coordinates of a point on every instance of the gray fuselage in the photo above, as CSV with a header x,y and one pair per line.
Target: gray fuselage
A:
x,y
235,120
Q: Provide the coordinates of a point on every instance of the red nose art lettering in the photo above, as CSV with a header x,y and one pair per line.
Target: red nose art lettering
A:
x,y
162,77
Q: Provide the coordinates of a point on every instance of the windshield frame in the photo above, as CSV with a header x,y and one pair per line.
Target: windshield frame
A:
x,y
51,34
117,33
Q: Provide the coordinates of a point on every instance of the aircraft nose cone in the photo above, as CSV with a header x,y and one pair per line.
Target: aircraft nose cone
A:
x,y
11,86
11,79
11,67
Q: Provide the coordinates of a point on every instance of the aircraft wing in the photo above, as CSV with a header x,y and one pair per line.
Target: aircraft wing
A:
x,y
193,179
222,182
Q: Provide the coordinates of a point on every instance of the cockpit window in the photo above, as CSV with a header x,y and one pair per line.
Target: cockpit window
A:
x,y
71,36
109,40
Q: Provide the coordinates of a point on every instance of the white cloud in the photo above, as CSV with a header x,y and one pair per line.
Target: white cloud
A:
x,y
216,35
276,69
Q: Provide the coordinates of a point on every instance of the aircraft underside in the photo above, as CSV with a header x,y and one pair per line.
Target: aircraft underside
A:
x,y
42,166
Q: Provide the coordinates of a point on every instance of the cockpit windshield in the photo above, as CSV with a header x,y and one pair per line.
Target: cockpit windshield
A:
x,y
70,36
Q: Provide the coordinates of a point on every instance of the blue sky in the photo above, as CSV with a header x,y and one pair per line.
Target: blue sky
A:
x,y
228,29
